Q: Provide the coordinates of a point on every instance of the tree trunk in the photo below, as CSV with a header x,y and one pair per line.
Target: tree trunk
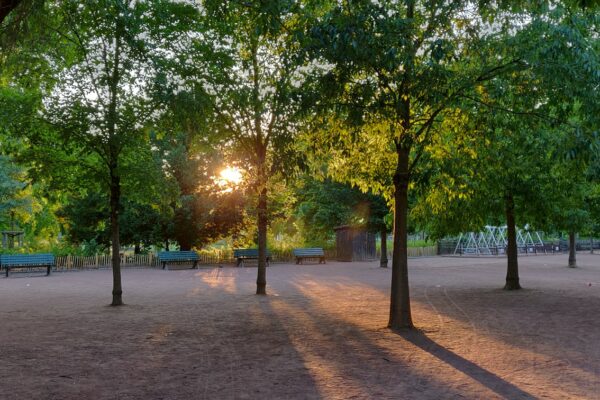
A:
x,y
512,271
6,7
261,279
384,260
115,197
137,249
113,169
572,250
261,143
167,245
400,316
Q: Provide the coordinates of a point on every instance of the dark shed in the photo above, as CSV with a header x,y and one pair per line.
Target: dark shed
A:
x,y
354,243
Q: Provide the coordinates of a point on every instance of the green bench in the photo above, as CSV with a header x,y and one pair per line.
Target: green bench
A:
x,y
165,257
313,252
248,254
11,261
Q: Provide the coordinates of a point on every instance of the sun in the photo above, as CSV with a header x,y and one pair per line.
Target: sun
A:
x,y
231,175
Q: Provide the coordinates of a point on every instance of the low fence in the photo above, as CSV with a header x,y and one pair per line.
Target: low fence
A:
x,y
426,251
422,251
99,261
584,244
102,261
446,246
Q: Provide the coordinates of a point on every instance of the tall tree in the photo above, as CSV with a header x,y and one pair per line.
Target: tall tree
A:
x,y
567,66
102,97
398,71
191,162
528,157
254,96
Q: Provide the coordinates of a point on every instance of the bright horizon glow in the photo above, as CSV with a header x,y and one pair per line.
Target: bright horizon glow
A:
x,y
231,175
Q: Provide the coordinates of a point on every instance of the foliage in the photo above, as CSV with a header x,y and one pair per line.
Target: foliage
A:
x,y
323,205
11,189
255,100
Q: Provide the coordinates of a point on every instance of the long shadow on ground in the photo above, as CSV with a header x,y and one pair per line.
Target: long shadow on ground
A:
x,y
481,375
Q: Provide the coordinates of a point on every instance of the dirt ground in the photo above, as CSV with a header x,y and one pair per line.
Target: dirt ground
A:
x,y
320,334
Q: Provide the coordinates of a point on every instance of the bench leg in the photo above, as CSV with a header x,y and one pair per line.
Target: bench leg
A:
x,y
322,260
48,273
239,263
164,265
195,265
7,271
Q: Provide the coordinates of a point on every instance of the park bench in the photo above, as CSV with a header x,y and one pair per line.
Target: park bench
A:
x,y
314,252
165,257
9,261
248,254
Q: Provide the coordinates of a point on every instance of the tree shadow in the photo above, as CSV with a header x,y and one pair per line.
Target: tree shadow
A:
x,y
369,368
562,327
481,375
343,358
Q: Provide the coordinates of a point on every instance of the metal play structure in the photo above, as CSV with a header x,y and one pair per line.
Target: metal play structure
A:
x,y
492,241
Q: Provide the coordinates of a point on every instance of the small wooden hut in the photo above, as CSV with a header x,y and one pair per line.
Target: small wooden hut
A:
x,y
354,243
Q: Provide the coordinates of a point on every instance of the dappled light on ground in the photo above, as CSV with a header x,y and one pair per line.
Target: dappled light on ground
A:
x,y
320,334
428,359
217,278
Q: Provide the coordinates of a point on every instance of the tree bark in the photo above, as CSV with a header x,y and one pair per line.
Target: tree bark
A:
x,y
261,278
512,271
572,250
261,141
113,168
400,315
384,260
6,6
115,197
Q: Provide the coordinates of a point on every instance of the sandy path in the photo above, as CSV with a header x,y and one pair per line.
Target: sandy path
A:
x,y
320,333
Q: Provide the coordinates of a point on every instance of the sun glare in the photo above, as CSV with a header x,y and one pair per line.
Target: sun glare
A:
x,y
231,175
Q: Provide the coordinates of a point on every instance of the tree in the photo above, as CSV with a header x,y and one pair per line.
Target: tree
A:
x,y
568,65
203,209
398,70
103,93
323,205
254,96
11,187
527,158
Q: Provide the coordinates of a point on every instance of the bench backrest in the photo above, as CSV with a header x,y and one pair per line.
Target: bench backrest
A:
x,y
178,256
10,260
247,253
309,252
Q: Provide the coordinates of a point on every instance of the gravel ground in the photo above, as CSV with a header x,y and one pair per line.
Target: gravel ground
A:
x,y
319,334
